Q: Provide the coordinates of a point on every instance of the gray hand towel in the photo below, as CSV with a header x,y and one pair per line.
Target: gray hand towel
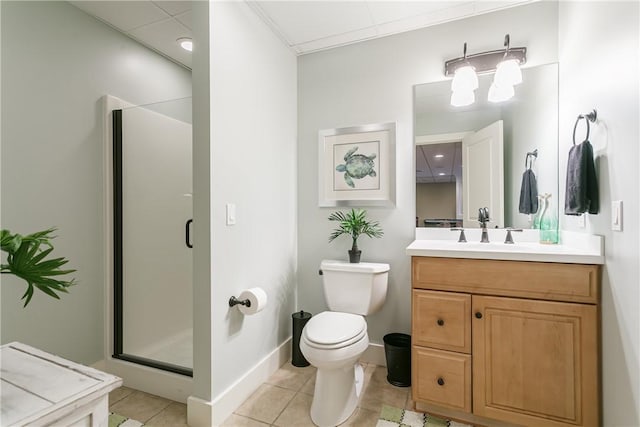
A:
x,y
528,193
582,184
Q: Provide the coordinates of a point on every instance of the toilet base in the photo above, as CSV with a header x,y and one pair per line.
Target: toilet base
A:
x,y
336,394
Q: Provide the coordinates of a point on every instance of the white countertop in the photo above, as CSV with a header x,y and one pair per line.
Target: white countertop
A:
x,y
574,248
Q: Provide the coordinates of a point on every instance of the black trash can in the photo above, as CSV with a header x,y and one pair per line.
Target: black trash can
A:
x,y
300,319
397,350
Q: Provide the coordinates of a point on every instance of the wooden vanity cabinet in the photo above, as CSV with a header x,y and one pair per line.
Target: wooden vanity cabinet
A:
x,y
506,342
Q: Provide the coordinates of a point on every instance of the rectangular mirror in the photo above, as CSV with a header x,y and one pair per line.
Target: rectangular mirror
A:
x,y
473,157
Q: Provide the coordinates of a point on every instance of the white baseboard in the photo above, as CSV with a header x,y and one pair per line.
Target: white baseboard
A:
x,y
374,354
201,413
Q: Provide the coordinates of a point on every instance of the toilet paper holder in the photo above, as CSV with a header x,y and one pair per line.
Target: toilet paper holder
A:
x,y
233,301
250,301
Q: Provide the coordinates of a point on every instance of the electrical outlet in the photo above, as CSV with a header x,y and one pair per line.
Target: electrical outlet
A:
x,y
581,220
616,215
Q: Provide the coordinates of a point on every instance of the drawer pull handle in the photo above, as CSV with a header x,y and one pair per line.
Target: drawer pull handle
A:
x,y
440,322
478,315
440,381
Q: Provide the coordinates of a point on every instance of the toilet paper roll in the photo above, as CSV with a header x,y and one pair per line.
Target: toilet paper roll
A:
x,y
256,296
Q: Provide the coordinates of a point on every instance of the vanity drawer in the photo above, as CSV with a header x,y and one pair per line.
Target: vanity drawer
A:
x,y
442,378
442,320
538,280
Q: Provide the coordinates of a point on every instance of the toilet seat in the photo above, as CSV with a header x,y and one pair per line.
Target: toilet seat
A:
x,y
332,330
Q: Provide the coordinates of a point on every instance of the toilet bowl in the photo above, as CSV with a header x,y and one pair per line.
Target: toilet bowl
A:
x,y
334,340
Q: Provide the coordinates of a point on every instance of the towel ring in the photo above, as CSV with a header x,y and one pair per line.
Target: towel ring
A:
x,y
589,117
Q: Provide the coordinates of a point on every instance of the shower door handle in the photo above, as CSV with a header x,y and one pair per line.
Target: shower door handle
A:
x,y
187,229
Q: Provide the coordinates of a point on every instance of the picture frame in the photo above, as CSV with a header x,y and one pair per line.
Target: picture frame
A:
x,y
357,166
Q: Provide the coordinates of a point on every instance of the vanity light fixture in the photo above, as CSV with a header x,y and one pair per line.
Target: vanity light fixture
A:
x,y
439,156
442,174
504,62
462,98
499,93
508,71
508,74
186,43
465,82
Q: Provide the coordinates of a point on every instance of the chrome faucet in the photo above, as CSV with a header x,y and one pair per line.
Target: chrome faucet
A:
x,y
483,218
509,238
462,238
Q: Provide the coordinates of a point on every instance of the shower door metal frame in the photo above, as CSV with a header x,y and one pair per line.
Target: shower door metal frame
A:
x,y
118,300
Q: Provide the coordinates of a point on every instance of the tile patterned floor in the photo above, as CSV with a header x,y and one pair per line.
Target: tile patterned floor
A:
x,y
149,409
284,400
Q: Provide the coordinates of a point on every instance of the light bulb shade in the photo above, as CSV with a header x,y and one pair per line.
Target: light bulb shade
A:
x,y
508,73
462,98
500,93
465,79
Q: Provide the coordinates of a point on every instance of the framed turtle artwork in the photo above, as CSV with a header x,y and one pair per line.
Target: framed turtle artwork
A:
x,y
357,166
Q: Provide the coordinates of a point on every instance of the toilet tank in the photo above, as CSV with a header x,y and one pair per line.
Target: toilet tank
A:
x,y
354,288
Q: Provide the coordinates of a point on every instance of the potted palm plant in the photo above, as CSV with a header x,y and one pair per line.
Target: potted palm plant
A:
x,y
26,260
354,223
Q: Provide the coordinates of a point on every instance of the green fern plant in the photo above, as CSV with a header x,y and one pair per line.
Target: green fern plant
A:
x,y
26,260
354,223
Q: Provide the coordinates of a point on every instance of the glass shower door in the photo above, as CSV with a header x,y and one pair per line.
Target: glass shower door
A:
x,y
153,259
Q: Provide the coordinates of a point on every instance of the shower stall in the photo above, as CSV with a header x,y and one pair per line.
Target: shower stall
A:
x,y
151,255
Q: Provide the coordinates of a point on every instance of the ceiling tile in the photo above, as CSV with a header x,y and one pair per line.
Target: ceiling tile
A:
x,y
456,11
185,19
487,6
174,7
337,40
305,21
124,15
162,36
387,11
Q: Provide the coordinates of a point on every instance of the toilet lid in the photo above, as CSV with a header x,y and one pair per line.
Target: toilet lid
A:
x,y
334,329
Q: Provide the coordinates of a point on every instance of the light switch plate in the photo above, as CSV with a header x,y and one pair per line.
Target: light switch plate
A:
x,y
231,214
616,215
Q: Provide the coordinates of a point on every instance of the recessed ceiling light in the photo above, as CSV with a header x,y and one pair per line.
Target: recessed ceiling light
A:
x,y
439,156
186,43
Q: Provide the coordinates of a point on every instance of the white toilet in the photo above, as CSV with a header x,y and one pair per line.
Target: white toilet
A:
x,y
334,340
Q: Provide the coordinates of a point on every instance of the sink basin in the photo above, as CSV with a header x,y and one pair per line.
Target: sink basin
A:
x,y
580,249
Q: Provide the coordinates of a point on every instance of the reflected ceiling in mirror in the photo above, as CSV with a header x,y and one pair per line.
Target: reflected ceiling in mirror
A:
x,y
530,121
437,163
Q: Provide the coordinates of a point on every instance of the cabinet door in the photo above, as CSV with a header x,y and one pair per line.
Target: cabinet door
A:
x,y
535,362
